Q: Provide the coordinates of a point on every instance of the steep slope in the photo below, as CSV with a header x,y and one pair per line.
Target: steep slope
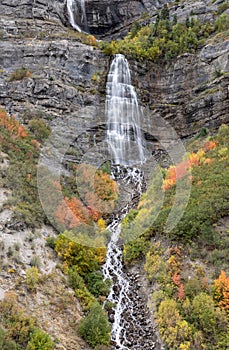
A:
x,y
51,73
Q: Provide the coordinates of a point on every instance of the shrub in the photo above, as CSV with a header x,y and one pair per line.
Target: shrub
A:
x,y
77,283
96,285
222,23
39,341
35,261
94,328
204,313
222,7
32,277
20,73
40,129
51,242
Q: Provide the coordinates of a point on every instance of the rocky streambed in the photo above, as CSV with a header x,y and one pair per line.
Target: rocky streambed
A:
x,y
140,330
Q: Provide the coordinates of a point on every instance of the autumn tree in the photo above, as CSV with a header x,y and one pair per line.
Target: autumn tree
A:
x,y
221,291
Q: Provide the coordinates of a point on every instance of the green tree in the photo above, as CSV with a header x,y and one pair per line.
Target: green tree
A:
x,y
175,19
165,12
204,316
94,328
187,22
134,29
222,23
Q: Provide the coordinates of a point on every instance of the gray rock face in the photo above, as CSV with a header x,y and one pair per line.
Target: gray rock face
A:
x,y
191,92
67,83
105,16
40,9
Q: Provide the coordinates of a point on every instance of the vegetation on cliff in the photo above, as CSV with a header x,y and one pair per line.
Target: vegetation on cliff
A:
x,y
188,267
19,331
166,39
81,264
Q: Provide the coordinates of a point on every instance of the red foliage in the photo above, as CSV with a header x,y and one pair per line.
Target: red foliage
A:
x,y
194,159
180,286
175,173
176,279
181,293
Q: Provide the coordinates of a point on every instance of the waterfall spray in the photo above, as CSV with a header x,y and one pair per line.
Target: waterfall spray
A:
x,y
80,6
123,115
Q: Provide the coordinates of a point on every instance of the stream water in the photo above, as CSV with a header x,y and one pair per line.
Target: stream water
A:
x,y
131,325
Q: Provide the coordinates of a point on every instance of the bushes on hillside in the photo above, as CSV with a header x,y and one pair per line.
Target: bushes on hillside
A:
x,y
19,331
94,328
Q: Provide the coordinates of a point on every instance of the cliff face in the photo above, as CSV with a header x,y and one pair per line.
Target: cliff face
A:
x,y
66,84
68,79
67,75
104,17
187,92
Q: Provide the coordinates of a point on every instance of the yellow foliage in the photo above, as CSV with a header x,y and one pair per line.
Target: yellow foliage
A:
x,y
32,277
101,224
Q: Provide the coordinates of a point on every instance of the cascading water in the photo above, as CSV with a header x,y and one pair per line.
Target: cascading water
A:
x,y
130,329
81,15
123,115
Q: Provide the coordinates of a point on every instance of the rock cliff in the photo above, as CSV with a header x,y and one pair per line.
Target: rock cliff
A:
x,y
66,86
67,76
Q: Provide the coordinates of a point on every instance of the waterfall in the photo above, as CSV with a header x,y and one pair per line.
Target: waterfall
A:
x,y
80,15
130,329
123,115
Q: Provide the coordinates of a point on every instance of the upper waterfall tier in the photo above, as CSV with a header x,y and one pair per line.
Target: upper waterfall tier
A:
x,y
123,113
77,15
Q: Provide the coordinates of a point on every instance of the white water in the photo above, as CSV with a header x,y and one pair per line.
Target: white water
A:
x,y
80,6
123,115
113,268
126,148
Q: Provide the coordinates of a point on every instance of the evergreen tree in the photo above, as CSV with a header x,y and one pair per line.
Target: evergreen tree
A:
x,y
187,22
165,12
175,19
94,328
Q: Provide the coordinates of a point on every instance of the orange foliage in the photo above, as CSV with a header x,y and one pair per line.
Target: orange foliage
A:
x,y
11,124
36,144
194,159
71,213
208,161
204,282
105,187
57,185
209,145
91,40
177,172
221,286
97,194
